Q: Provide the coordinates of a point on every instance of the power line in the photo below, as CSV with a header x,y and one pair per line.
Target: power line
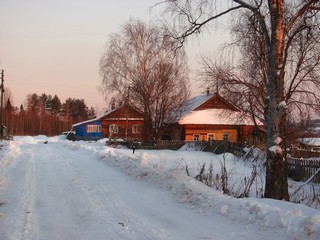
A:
x,y
1,104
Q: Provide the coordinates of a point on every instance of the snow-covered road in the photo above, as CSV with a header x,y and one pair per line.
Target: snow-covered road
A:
x,y
55,193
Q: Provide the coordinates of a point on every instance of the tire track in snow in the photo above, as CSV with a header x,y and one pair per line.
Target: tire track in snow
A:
x,y
63,194
102,197
19,203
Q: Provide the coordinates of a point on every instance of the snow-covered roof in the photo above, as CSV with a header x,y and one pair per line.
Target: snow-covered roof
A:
x,y
193,103
102,116
85,122
95,119
310,141
216,117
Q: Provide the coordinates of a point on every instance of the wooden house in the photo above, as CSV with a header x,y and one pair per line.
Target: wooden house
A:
x,y
206,117
211,117
123,122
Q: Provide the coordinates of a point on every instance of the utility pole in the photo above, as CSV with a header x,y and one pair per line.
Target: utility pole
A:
x,y
1,105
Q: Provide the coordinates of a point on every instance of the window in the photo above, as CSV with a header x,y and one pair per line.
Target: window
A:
x,y
196,137
113,128
225,136
136,129
93,128
210,137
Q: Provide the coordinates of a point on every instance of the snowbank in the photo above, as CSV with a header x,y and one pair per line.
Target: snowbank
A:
x,y
166,169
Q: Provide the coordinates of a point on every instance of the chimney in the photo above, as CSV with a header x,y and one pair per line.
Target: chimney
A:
x,y
113,105
208,91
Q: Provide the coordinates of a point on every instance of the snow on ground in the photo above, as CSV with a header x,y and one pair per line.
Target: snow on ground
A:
x,y
177,207
310,141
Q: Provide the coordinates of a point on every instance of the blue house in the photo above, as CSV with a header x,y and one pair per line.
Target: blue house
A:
x,y
87,130
123,122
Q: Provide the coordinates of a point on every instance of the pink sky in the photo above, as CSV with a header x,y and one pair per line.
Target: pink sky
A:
x,y
54,47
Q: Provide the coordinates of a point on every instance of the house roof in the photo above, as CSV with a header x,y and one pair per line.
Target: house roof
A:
x,y
195,102
187,107
199,103
85,122
216,117
103,115
312,142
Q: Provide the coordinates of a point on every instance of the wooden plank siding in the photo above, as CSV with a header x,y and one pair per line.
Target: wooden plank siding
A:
x,y
216,102
204,130
247,133
125,118
125,129
123,112
236,133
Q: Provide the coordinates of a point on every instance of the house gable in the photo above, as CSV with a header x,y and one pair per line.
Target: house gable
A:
x,y
217,102
123,112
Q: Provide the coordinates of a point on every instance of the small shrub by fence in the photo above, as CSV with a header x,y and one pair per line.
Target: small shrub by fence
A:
x,y
302,169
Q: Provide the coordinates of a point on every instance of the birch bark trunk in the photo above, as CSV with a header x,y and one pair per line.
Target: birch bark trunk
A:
x,y
275,110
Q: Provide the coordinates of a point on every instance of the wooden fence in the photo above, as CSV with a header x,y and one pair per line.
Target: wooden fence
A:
x,y
217,146
214,146
163,144
300,169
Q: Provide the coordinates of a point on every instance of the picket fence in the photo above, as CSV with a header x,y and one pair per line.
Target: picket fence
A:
x,y
301,169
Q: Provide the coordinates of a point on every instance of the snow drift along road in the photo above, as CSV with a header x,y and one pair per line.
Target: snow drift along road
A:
x,y
61,190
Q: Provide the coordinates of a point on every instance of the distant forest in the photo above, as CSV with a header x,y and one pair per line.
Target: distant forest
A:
x,y
44,114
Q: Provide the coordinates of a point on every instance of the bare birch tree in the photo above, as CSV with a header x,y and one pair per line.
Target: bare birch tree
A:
x,y
302,78
141,60
276,29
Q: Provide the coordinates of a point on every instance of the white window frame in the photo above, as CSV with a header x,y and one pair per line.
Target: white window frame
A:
x,y
210,138
113,128
91,128
225,136
196,137
136,128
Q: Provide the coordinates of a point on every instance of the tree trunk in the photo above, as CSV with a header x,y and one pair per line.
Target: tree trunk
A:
x,y
275,111
147,127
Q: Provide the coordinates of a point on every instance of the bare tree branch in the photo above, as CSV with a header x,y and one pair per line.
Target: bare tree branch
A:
x,y
144,60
